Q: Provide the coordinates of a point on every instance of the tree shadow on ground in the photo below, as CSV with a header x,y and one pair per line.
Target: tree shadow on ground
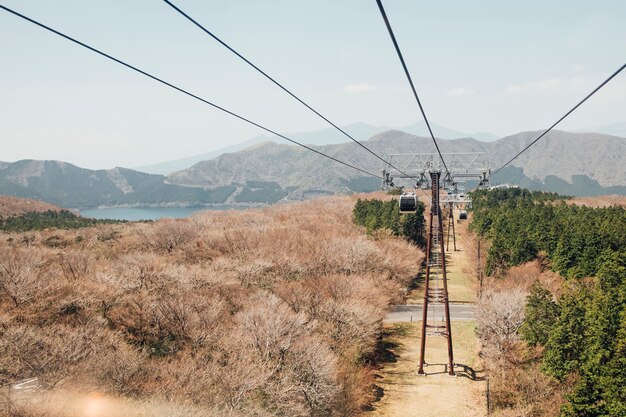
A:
x,y
387,351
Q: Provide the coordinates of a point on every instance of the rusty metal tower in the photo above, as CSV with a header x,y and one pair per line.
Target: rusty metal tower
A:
x,y
426,170
436,282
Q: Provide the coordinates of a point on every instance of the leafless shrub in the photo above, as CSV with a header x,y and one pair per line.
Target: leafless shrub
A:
x,y
351,256
269,327
167,235
106,292
273,355
50,353
140,270
307,384
256,272
518,387
27,240
119,368
194,276
192,318
18,274
76,264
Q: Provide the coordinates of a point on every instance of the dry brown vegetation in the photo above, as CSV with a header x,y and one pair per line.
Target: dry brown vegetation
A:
x,y
260,313
600,201
13,206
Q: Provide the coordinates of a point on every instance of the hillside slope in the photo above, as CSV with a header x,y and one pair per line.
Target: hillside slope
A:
x,y
70,186
560,161
564,155
14,206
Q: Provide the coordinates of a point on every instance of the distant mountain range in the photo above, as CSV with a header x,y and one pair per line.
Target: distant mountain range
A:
x,y
267,172
599,161
67,185
328,136
615,129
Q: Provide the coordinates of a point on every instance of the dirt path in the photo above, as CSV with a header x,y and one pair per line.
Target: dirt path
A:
x,y
405,394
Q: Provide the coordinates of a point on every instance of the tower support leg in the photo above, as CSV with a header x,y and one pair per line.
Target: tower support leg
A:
x,y
426,285
451,227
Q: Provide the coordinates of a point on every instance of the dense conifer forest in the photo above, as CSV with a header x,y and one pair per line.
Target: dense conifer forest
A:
x,y
376,214
34,220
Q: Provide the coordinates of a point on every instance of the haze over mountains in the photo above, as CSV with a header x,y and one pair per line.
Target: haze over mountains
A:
x,y
268,172
615,129
327,136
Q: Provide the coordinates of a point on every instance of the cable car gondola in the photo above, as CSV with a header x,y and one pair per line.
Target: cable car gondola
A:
x,y
463,215
408,203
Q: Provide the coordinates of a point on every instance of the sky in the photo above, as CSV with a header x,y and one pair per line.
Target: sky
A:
x,y
490,65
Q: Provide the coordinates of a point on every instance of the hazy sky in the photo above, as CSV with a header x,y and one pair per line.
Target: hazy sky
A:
x,y
497,66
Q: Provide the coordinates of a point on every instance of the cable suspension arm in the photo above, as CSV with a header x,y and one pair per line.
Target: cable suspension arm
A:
x,y
408,76
181,90
563,117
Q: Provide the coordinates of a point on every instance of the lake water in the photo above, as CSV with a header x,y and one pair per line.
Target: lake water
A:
x,y
148,213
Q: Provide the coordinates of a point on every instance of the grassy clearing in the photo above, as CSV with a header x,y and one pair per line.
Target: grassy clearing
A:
x,y
460,286
434,395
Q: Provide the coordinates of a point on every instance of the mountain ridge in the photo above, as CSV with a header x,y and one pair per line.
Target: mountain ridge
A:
x,y
321,137
67,185
267,172
561,154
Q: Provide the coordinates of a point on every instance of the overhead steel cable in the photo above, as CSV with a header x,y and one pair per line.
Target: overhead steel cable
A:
x,y
561,119
179,89
281,86
408,76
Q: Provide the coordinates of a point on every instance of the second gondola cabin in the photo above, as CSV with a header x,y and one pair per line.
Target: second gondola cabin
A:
x,y
408,203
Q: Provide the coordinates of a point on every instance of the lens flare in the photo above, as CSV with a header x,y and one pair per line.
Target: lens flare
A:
x,y
94,405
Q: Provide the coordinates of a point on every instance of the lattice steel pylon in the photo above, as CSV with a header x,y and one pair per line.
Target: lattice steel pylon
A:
x,y
423,171
436,283
451,227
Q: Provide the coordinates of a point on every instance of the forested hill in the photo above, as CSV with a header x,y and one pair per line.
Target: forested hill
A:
x,y
582,333
67,185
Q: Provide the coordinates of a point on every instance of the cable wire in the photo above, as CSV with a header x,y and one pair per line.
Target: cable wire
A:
x,y
278,84
119,61
563,117
408,76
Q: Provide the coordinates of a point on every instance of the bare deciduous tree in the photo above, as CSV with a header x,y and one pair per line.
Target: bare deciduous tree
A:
x,y
500,314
